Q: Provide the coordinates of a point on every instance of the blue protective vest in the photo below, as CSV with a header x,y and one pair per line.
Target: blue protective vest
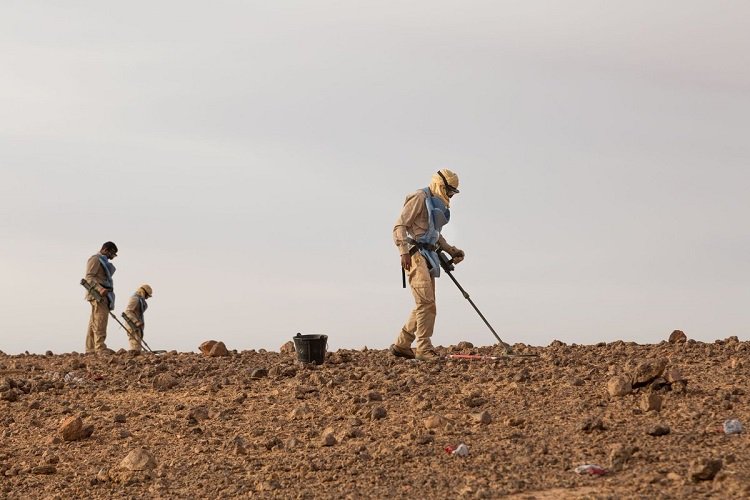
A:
x,y
109,268
143,306
438,215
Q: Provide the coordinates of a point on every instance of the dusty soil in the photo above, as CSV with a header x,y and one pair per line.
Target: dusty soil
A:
x,y
368,425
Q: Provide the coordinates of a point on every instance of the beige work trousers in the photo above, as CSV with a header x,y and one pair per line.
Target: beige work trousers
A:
x,y
135,339
97,332
421,322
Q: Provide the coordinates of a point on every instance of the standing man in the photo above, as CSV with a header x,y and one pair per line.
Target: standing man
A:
x,y
134,316
99,271
417,236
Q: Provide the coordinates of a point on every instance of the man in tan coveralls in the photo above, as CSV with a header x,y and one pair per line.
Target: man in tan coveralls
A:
x,y
99,271
134,312
417,236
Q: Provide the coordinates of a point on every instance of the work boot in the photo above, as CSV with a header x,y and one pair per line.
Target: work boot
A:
x,y
105,351
402,352
429,355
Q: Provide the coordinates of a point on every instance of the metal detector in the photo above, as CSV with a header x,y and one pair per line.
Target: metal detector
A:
x,y
93,291
447,265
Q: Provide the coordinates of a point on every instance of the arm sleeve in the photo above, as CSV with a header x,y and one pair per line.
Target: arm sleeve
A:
x,y
92,269
413,206
131,311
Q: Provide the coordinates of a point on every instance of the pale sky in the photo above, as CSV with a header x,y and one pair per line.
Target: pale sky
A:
x,y
249,158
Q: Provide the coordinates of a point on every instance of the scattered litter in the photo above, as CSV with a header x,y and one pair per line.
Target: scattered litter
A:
x,y
732,426
591,470
461,450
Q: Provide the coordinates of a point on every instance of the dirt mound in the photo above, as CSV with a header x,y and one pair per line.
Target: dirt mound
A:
x,y
367,424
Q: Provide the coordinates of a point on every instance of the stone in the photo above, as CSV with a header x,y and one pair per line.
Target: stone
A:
x,y
592,424
138,460
287,348
651,402
658,430
704,469
199,414
44,469
483,418
72,429
646,371
677,337
514,421
119,419
619,386
463,345
213,348
435,422
164,382
238,446
259,373
378,413
328,438
673,374
374,396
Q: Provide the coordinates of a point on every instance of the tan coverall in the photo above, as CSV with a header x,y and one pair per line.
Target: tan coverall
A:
x,y
135,314
421,323
97,330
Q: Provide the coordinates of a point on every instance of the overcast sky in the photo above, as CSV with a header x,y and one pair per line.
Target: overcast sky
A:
x,y
249,158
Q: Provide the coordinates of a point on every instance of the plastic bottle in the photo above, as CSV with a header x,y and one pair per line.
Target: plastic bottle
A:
x,y
591,470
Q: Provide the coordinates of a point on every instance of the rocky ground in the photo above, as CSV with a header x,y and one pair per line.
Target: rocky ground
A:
x,y
367,425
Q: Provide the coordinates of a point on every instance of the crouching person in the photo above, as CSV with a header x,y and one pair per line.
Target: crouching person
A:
x,y
134,314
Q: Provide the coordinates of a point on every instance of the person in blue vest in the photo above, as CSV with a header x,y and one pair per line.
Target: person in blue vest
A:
x,y
417,237
134,313
99,271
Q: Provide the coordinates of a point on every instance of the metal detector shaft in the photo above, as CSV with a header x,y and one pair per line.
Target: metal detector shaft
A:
x,y
466,296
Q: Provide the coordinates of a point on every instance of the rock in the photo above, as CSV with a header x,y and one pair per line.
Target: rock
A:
x,y
287,348
514,421
72,429
259,373
274,443
119,419
592,424
673,375
328,438
619,455
374,396
213,348
463,345
704,469
483,418
618,386
425,439
44,469
646,371
658,430
651,402
164,382
138,460
677,337
10,395
238,446
435,422
378,413
199,414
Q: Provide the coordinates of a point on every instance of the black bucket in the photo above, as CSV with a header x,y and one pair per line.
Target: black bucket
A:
x,y
311,348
